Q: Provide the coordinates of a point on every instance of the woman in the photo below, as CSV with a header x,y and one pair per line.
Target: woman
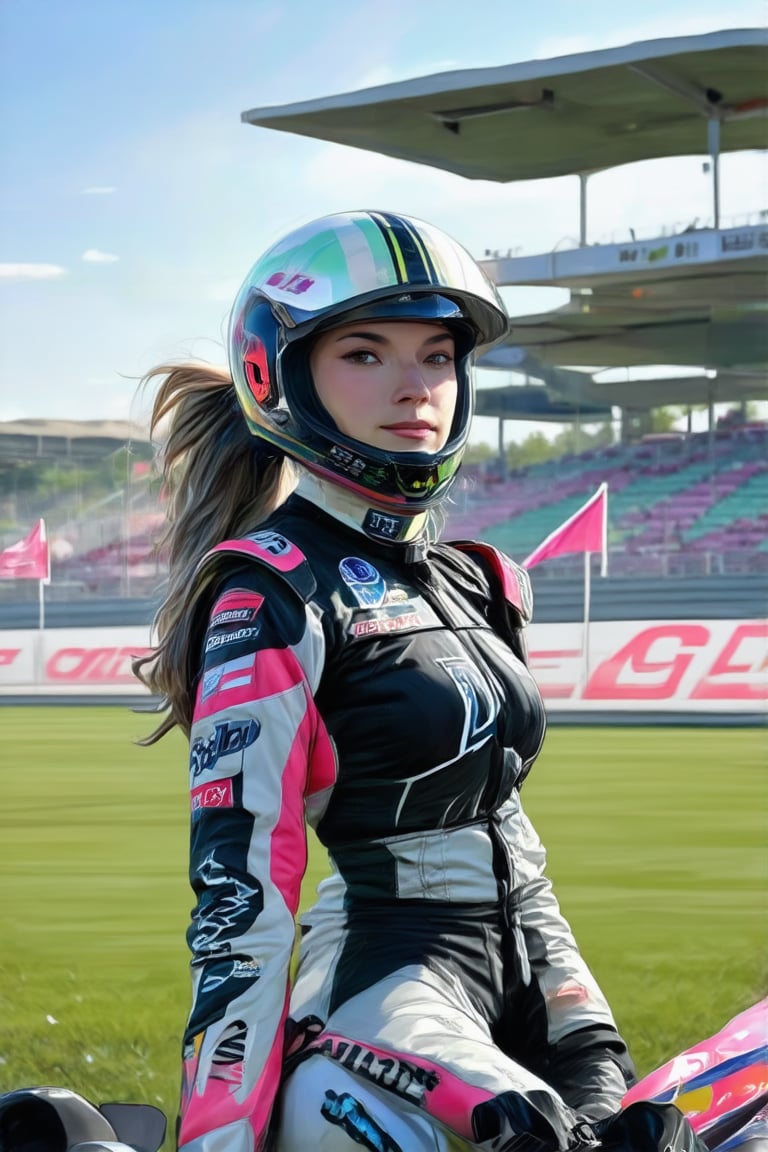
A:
x,y
332,662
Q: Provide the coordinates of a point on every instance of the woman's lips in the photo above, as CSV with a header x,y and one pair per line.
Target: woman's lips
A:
x,y
411,431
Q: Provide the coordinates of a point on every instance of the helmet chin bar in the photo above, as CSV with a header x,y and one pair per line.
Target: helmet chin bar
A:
x,y
391,527
392,484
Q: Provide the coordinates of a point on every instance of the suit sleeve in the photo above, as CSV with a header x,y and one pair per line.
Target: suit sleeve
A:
x,y
258,749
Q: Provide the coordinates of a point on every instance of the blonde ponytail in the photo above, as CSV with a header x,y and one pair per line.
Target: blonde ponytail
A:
x,y
220,482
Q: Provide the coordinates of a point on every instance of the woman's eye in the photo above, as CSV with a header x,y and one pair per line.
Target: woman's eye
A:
x,y
360,356
440,358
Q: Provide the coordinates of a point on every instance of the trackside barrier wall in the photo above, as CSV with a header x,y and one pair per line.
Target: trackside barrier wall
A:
x,y
690,667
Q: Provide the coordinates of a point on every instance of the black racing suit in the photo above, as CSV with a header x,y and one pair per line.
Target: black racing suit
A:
x,y
378,692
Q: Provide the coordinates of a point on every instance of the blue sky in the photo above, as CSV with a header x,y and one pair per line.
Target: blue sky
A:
x,y
133,199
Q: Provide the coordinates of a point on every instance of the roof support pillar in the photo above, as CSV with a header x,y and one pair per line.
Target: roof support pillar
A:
x,y
713,142
583,177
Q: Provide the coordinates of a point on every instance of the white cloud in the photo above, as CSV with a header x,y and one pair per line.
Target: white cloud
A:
x,y
95,256
31,271
99,190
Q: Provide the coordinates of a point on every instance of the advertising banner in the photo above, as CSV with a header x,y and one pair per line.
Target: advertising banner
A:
x,y
718,666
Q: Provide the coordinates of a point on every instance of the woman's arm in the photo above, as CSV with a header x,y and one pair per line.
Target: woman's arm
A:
x,y
257,746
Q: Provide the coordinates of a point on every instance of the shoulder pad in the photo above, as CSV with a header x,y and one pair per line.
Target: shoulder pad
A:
x,y
272,550
514,581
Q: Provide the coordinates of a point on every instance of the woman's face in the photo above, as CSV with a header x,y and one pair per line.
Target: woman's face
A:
x,y
390,384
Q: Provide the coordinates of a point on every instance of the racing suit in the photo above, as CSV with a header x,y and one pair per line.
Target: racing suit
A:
x,y
377,691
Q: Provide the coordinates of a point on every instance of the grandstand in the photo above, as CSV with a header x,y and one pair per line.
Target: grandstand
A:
x,y
92,483
678,506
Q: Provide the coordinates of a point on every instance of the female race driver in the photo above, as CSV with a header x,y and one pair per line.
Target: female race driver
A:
x,y
334,664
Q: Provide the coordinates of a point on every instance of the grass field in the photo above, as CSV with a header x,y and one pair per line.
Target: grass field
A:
x,y
657,845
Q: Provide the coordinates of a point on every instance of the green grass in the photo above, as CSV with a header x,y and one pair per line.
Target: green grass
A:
x,y
657,845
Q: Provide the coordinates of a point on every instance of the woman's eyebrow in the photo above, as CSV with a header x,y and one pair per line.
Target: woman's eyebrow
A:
x,y
377,338
374,337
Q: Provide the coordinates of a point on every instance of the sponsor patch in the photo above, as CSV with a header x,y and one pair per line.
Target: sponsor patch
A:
x,y
383,1068
272,542
236,969
218,795
384,526
348,461
398,613
245,968
363,580
230,674
220,639
294,282
227,739
380,626
235,607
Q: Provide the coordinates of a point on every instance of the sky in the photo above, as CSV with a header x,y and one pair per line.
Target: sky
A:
x,y
133,200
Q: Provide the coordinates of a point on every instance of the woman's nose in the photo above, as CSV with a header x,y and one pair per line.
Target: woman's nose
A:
x,y
412,384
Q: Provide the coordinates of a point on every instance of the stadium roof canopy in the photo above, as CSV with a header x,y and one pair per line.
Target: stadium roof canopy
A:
x,y
542,118
697,299
590,398
694,298
59,439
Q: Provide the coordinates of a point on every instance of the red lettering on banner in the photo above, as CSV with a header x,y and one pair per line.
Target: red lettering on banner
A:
x,y
553,658
94,665
737,689
633,661
556,691
8,655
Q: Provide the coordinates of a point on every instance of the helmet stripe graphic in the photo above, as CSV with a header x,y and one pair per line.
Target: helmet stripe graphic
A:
x,y
417,270
392,244
410,256
421,249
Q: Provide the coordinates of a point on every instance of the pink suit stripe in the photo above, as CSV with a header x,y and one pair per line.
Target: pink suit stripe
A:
x,y
204,1113
451,1101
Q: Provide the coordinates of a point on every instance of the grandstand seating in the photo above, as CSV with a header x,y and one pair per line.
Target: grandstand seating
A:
x,y
131,564
677,506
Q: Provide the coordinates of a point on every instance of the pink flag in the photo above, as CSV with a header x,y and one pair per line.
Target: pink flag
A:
x,y
29,559
585,531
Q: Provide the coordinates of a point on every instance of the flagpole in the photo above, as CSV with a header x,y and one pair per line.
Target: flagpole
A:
x,y
45,579
585,641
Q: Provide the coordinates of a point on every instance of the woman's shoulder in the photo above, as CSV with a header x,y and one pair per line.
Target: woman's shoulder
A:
x,y
265,552
293,548
505,577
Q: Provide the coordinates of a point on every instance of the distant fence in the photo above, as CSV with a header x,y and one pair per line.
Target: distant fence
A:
x,y
556,601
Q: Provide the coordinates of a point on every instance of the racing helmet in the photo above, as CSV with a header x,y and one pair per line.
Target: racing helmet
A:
x,y
350,266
